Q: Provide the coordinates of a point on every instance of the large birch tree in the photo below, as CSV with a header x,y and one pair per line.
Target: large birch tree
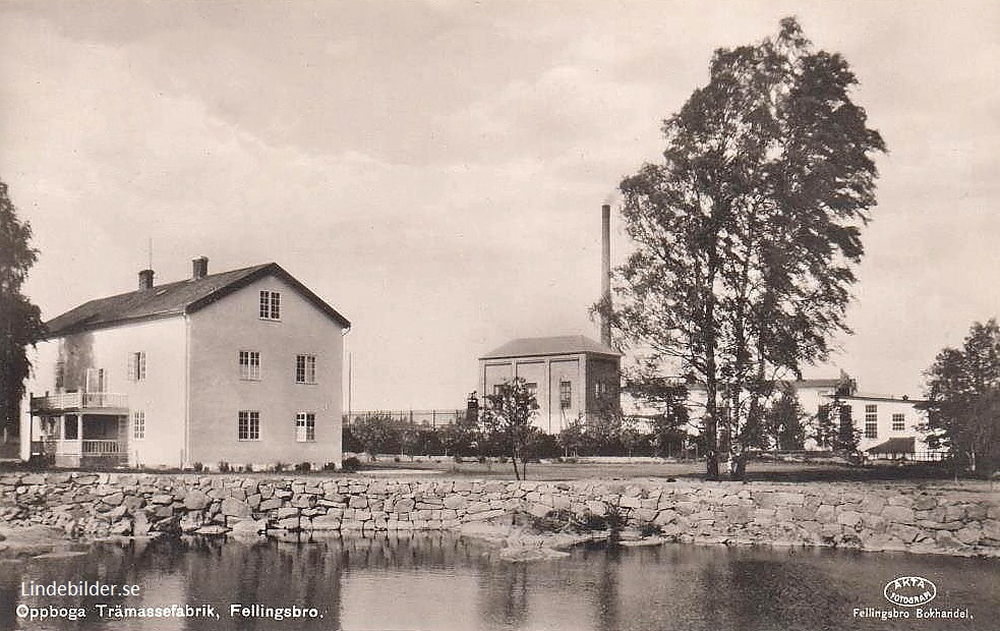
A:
x,y
746,234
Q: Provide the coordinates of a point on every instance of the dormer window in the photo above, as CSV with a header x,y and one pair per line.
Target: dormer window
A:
x,y
270,305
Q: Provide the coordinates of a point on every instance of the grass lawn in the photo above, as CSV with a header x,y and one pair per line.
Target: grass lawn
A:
x,y
756,471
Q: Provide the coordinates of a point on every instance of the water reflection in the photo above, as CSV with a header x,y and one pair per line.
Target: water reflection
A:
x,y
436,581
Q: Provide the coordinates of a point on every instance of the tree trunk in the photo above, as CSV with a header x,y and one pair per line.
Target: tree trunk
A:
x,y
739,467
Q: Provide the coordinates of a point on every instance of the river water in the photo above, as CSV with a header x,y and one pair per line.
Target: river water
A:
x,y
441,581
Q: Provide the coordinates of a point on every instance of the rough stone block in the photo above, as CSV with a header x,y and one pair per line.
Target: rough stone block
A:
x,y
114,499
235,508
195,500
898,514
269,505
849,518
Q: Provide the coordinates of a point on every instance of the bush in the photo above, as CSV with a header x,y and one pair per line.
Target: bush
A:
x,y
649,529
303,467
329,466
589,522
279,466
351,464
224,467
553,521
248,468
197,466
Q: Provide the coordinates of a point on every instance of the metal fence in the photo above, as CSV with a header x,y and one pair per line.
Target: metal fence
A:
x,y
424,418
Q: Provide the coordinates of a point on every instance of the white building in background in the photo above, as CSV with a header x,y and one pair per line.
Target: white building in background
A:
x,y
242,367
888,426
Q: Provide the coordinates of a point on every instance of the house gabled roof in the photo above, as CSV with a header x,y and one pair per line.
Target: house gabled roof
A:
x,y
177,298
558,345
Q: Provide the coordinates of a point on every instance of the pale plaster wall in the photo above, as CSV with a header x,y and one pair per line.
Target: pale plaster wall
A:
x,y
160,395
217,334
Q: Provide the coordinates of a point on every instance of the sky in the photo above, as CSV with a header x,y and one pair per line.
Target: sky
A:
x,y
435,169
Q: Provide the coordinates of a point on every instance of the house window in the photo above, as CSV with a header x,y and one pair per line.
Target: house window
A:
x,y
898,422
871,429
270,305
305,427
250,365
305,369
565,395
871,421
60,375
249,425
138,424
137,366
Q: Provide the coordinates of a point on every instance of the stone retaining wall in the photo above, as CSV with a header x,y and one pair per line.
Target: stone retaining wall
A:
x,y
871,517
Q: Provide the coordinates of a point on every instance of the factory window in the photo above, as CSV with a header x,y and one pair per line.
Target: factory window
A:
x,y
565,395
898,422
270,305
248,427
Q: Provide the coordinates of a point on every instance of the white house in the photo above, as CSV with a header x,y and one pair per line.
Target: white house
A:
x,y
242,367
888,427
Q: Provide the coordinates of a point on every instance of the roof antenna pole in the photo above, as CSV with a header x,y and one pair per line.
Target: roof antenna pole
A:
x,y
150,266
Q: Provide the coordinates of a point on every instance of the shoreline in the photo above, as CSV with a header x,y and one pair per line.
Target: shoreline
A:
x,y
921,518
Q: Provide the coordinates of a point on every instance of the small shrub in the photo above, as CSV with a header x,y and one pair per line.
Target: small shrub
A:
x,y
224,467
279,466
197,466
395,458
248,468
329,466
649,529
553,521
303,467
351,464
589,522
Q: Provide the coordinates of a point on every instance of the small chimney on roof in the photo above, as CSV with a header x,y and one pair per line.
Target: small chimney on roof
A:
x,y
145,279
199,267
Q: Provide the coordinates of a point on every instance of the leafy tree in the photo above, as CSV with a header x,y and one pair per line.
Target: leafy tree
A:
x,y
571,438
506,418
785,421
373,432
962,398
20,321
668,396
746,235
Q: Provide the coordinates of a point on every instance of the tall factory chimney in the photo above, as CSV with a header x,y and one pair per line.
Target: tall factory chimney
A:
x,y
606,272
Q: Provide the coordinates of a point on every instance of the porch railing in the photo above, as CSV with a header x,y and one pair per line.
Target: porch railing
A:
x,y
80,401
100,448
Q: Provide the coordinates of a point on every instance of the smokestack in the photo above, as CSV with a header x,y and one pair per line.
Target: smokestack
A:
x,y
606,272
199,267
145,279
